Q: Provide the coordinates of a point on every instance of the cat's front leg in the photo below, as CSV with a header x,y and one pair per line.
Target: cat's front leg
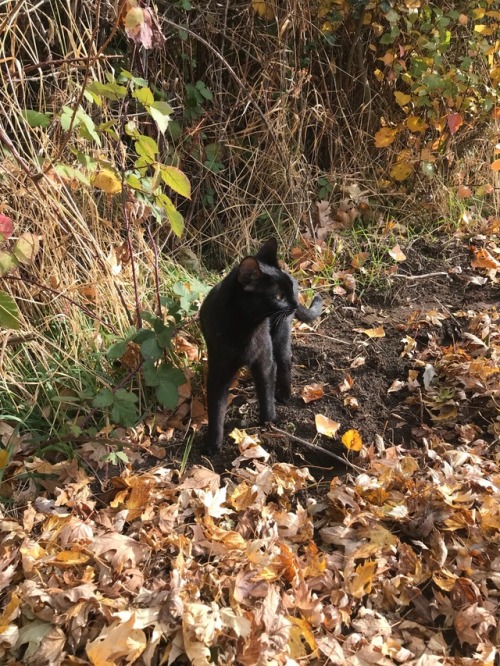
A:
x,y
282,351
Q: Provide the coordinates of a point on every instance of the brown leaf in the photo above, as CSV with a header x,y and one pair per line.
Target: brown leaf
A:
x,y
377,332
359,259
312,392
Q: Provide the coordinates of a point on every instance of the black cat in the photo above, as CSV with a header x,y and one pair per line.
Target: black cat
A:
x,y
246,319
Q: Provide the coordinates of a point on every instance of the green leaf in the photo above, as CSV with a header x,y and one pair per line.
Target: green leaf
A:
x,y
134,182
151,350
167,395
26,248
164,338
150,373
66,117
170,374
8,262
174,217
144,96
111,91
87,126
124,410
103,399
66,171
177,180
117,350
143,334
9,314
146,147
35,118
204,91
122,395
160,113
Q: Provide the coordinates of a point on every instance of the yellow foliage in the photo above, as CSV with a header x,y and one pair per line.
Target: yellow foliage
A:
x,y
385,136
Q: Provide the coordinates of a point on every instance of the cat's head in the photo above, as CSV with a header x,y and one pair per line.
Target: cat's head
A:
x,y
267,289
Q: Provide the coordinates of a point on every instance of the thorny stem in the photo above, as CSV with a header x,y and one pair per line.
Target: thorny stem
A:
x,y
157,272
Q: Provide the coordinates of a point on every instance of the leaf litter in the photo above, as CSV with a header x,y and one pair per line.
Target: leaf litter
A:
x,y
281,562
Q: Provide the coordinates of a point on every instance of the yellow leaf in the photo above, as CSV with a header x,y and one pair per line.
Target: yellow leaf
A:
x,y
107,181
70,558
4,458
263,9
384,137
416,124
483,29
118,641
300,631
326,426
495,166
372,332
401,170
361,584
352,440
402,99
479,13
397,253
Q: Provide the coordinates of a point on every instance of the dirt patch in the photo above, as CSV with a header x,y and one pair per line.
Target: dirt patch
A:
x,y
421,304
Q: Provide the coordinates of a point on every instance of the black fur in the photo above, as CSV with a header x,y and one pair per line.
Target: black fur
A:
x,y
246,319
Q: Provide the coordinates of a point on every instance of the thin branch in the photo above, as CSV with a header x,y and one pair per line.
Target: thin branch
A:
x,y
45,287
318,449
420,277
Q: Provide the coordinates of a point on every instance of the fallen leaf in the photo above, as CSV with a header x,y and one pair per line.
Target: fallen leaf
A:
x,y
326,426
362,581
312,392
397,254
352,440
396,385
358,362
359,259
120,641
377,332
495,165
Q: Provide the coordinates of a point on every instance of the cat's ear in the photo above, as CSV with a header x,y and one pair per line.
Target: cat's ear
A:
x,y
249,272
268,252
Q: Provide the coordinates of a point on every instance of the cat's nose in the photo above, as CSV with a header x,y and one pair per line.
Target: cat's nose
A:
x,y
294,304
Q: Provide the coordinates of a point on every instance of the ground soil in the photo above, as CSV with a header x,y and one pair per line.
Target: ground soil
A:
x,y
325,354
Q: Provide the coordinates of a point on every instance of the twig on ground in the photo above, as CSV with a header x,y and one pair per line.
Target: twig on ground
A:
x,y
420,277
318,449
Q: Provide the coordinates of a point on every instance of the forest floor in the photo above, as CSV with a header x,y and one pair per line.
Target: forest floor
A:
x,y
369,383
275,552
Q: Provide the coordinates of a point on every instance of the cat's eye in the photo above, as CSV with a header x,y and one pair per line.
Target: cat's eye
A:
x,y
279,296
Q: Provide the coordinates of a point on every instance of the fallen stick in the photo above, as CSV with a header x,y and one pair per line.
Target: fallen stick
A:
x,y
420,277
318,449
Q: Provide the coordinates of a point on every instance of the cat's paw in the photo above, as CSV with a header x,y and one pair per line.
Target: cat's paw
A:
x,y
210,449
283,395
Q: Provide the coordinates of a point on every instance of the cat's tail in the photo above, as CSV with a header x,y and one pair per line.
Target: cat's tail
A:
x,y
308,315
